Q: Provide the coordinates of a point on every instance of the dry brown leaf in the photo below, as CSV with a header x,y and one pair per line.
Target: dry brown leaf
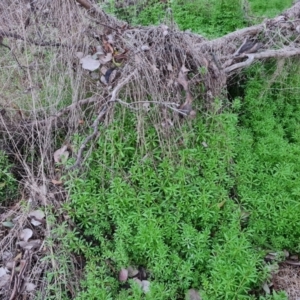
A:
x,y
108,47
137,59
4,280
35,222
30,287
103,80
145,48
18,257
105,58
79,55
30,245
61,154
110,38
182,79
266,288
89,63
169,67
10,265
184,69
6,255
99,49
26,234
58,182
38,214
3,271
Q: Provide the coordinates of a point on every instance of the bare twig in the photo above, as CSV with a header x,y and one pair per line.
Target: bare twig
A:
x,y
95,125
88,139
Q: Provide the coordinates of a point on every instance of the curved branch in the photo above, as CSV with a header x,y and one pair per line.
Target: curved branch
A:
x,y
285,52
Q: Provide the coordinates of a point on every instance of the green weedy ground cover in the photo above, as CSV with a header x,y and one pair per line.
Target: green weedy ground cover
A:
x,y
8,184
194,216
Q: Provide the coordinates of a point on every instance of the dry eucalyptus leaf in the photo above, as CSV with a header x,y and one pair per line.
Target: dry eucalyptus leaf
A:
x,y
103,70
30,245
18,256
89,63
94,75
26,234
193,294
38,214
10,265
146,286
110,38
146,106
56,182
35,222
3,271
99,49
6,255
145,48
105,58
154,68
79,55
43,189
182,79
169,67
8,224
137,59
30,286
266,288
59,153
184,69
123,275
103,80
4,280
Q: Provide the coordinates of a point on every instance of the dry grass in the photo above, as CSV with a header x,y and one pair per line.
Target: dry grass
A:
x,y
288,279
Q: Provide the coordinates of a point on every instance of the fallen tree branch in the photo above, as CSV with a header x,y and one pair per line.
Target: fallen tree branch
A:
x,y
285,52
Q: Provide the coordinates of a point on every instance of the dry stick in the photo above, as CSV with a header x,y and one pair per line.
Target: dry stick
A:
x,y
166,104
285,52
95,125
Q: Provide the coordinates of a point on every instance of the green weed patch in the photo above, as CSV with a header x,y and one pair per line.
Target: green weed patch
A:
x,y
201,213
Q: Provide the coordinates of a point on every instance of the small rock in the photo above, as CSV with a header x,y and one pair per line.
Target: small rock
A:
x,y
146,286
193,294
138,282
132,272
123,275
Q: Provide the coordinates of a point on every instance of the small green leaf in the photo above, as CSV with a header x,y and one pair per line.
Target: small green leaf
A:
x,y
8,224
